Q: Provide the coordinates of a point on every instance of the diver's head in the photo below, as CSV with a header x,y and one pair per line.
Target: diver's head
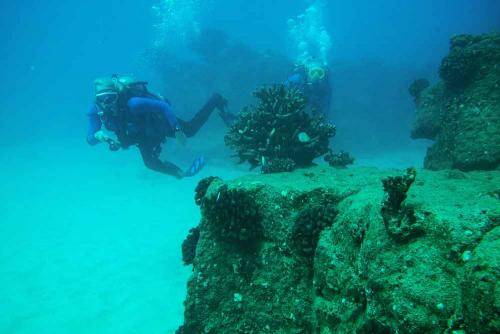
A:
x,y
106,95
107,102
315,73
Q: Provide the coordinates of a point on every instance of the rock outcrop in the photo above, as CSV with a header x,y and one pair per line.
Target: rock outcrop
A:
x,y
462,111
318,251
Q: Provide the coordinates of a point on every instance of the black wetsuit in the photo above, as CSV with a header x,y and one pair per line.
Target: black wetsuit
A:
x,y
146,122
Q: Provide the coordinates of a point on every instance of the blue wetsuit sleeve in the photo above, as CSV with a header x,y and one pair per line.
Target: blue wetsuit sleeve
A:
x,y
94,125
293,80
139,105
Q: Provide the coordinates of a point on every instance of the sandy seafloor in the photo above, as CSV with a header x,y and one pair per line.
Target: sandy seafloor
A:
x,y
90,240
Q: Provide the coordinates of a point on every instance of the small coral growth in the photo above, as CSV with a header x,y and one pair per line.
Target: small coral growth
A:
x,y
399,219
341,159
397,188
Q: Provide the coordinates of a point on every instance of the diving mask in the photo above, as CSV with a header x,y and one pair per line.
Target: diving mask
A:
x,y
316,73
107,101
106,98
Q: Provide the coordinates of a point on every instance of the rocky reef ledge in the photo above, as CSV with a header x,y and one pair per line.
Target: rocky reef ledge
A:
x,y
324,250
461,112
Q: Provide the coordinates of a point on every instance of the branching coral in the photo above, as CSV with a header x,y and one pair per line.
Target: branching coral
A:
x,y
277,130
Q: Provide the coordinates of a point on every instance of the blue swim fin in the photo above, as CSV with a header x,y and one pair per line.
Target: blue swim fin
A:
x,y
196,166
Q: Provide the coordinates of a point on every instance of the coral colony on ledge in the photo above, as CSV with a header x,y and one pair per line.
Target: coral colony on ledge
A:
x,y
278,134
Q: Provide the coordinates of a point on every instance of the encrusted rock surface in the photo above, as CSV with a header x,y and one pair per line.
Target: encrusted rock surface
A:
x,y
462,112
309,252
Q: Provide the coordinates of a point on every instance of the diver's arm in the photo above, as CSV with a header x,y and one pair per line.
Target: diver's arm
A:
x,y
138,105
94,125
293,80
152,161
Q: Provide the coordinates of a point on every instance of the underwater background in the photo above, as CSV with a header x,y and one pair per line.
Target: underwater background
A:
x,y
90,239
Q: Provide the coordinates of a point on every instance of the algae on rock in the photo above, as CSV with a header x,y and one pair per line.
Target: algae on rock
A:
x,y
348,273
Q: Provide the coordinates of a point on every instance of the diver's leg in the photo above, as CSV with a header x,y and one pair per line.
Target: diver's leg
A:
x,y
169,132
150,155
191,128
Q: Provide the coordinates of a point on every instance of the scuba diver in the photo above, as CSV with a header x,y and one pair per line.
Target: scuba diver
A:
x,y
314,82
124,106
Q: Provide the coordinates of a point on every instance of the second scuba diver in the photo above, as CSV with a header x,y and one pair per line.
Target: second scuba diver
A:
x,y
313,81
137,117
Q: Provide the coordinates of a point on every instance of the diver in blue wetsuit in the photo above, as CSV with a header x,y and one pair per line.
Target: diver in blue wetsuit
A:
x,y
314,82
124,106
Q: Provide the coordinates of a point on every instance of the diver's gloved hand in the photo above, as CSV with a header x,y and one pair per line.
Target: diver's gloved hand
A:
x,y
104,138
180,136
196,166
101,136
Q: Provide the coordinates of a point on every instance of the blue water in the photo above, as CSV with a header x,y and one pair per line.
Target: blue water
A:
x,y
89,239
